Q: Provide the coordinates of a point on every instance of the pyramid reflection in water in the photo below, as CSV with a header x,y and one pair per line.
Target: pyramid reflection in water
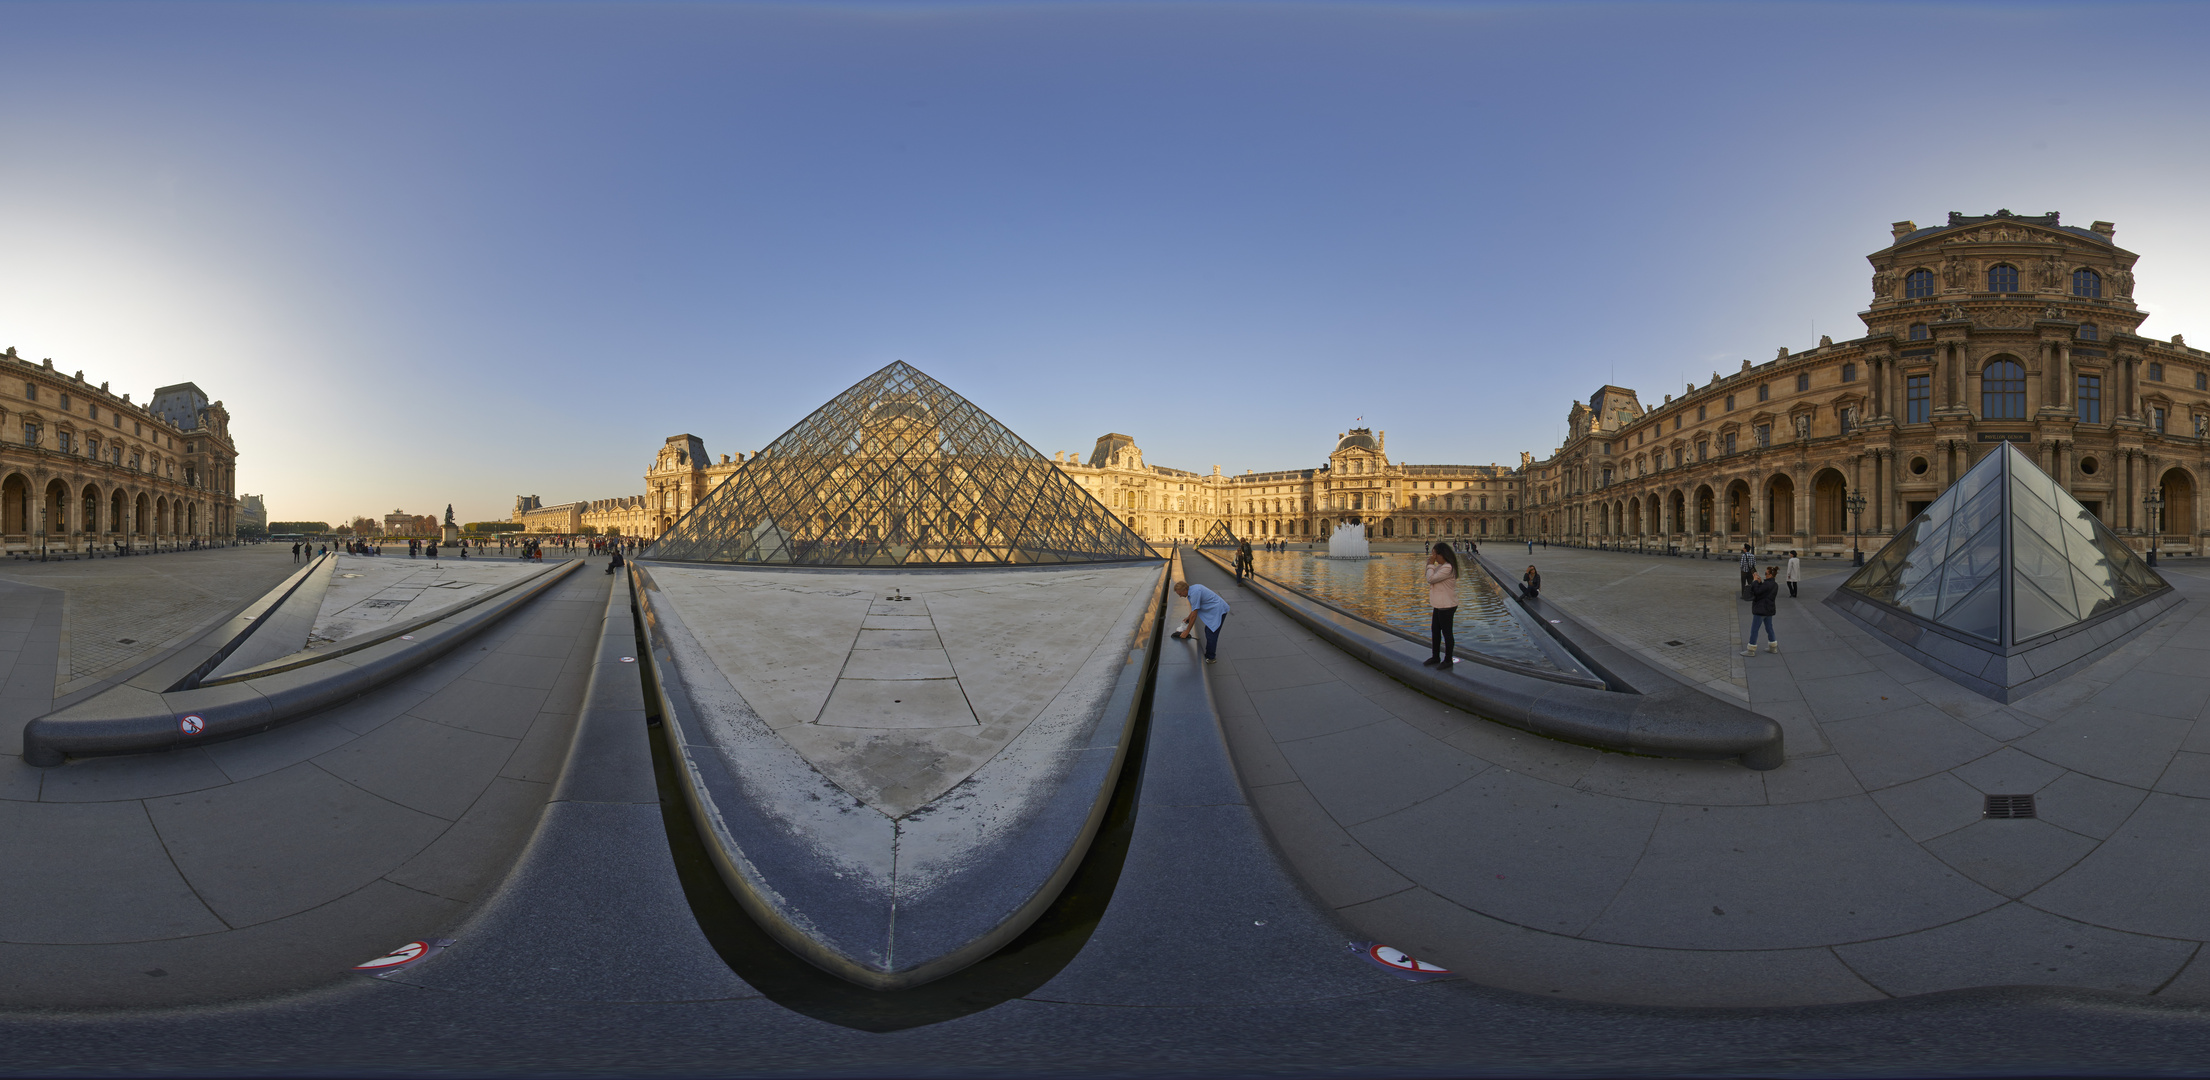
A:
x,y
2005,583
900,471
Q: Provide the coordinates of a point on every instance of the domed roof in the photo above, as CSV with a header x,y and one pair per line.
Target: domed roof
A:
x,y
1361,438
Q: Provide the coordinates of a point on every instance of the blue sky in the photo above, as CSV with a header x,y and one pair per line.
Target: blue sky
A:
x,y
454,253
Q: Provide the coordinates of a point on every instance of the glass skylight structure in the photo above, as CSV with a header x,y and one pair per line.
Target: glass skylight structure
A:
x,y
1219,536
2005,556
899,471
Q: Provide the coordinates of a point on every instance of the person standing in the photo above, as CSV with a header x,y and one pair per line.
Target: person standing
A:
x,y
1242,561
1530,545
1206,608
1530,584
1794,564
1442,601
295,553
1763,594
1749,569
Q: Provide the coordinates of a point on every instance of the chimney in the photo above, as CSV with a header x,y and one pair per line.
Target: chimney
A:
x,y
2107,229
1902,229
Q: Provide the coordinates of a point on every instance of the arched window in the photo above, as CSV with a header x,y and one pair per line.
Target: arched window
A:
x,y
2088,332
1918,331
2087,283
2003,391
2002,277
1918,283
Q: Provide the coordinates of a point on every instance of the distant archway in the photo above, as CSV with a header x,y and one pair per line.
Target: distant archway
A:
x,y
2177,489
57,508
1707,509
1738,508
15,504
1780,506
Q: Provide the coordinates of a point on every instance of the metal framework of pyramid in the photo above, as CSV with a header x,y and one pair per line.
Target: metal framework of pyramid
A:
x,y
899,471
2004,566
1220,535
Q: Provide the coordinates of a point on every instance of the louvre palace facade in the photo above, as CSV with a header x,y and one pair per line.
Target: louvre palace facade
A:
x,y
1982,330
84,469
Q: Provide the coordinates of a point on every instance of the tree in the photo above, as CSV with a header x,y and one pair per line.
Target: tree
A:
x,y
360,526
492,527
310,527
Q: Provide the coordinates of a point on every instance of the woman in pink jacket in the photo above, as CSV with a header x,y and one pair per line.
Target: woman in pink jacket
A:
x,y
1442,595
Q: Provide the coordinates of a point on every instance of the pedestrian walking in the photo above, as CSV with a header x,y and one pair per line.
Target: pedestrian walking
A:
x,y
1242,561
1442,602
1530,584
1763,594
1530,546
1206,609
1794,564
295,552
1749,568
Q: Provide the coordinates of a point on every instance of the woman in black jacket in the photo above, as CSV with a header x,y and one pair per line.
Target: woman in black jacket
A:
x,y
1763,605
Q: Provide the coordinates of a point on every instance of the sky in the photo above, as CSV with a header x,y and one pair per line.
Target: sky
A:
x,y
455,253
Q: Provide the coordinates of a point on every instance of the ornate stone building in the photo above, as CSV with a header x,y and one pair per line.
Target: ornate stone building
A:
x,y
1358,483
2003,327
680,475
83,469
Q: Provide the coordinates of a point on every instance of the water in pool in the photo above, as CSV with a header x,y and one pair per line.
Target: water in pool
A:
x,y
1393,590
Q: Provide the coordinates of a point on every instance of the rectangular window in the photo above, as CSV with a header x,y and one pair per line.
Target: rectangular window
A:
x,y
30,391
1918,399
2156,420
65,401
1849,373
2156,372
1729,437
1676,423
1803,382
2202,380
1730,402
61,440
30,434
1764,391
1699,413
1764,435
1703,450
2091,399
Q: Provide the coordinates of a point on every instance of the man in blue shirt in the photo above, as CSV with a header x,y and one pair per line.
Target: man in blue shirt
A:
x,y
1205,606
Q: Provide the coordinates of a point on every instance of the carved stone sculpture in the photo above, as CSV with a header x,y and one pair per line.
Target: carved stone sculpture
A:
x,y
1952,273
2124,280
1803,427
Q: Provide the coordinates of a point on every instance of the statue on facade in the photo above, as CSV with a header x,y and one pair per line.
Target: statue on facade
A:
x,y
2123,279
2052,275
1954,313
1803,427
1952,273
2052,312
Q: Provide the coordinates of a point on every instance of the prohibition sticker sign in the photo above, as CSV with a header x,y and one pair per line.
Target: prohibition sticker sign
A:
x,y
1397,961
406,954
191,724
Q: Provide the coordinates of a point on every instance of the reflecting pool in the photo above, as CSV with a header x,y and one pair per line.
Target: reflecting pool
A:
x,y
1393,590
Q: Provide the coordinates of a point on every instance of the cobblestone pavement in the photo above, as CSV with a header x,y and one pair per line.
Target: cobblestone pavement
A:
x,y
120,611
1862,868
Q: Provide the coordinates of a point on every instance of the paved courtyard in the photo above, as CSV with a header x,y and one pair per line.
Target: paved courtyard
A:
x,y
1859,870
271,862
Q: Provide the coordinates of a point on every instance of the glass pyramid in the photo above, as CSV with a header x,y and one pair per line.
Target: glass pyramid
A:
x,y
1219,536
2005,555
899,471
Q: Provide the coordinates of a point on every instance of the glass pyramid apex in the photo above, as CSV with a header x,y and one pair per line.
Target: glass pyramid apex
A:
x,y
2005,556
899,470
1220,535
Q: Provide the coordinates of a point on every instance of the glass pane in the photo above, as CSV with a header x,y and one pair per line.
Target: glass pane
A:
x,y
2034,560
2033,613
1980,613
1972,565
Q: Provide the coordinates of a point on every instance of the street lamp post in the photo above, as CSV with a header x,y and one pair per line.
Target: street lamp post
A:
x,y
2156,538
1856,504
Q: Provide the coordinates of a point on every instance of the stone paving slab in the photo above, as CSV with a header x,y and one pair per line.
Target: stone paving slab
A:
x,y
273,862
1862,868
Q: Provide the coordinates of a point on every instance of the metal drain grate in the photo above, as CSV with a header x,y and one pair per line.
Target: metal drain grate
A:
x,y
2009,806
1676,644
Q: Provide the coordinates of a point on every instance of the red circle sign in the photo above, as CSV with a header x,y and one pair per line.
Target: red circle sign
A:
x,y
191,725
1395,958
404,954
629,659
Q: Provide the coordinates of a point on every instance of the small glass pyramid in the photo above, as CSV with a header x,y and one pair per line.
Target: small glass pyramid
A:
x,y
1219,536
2005,555
899,471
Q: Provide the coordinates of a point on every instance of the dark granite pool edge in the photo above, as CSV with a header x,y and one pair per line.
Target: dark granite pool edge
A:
x,y
1676,721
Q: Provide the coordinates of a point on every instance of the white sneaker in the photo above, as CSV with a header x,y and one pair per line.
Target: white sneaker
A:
x,y
1752,651
1772,646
